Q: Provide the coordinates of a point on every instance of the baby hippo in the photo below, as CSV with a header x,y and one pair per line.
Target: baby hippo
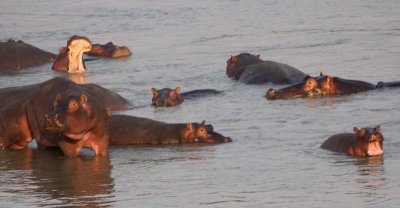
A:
x,y
170,97
364,142
125,129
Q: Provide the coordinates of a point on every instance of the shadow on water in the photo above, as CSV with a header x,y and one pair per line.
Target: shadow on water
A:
x,y
55,180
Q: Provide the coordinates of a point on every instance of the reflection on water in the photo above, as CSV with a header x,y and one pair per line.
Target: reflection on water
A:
x,y
78,78
56,180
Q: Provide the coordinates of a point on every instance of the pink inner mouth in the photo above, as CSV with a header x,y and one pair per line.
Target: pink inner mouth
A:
x,y
374,149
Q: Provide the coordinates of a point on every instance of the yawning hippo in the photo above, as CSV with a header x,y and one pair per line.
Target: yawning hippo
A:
x,y
364,142
70,59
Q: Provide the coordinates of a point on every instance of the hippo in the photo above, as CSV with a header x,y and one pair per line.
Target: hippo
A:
x,y
16,55
166,97
109,50
78,120
124,129
363,142
112,100
326,85
250,69
70,58
14,127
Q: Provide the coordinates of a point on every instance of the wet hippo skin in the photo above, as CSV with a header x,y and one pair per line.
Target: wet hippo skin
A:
x,y
250,69
166,97
109,50
363,142
78,120
15,55
112,100
326,86
124,129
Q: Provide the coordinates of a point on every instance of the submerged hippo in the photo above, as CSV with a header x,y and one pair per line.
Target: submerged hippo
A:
x,y
109,50
15,55
170,97
326,86
364,142
77,121
125,129
250,69
70,58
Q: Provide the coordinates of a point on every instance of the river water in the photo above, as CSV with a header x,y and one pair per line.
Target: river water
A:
x,y
274,159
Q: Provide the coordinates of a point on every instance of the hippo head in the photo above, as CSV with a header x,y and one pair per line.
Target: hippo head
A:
x,y
368,141
293,91
311,87
202,133
166,97
328,85
71,116
110,50
70,58
235,64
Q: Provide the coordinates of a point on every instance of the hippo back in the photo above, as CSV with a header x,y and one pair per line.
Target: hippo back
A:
x,y
15,55
339,142
269,71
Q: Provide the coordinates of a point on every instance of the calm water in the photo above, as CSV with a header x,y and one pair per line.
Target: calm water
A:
x,y
275,159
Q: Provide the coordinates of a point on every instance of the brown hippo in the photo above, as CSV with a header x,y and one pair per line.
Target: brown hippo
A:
x,y
250,69
15,55
125,129
325,86
14,128
112,100
170,97
364,142
110,50
77,121
70,59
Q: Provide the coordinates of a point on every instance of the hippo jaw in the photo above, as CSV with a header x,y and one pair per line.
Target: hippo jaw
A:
x,y
374,149
75,54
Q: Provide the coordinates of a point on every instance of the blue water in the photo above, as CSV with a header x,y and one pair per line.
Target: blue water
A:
x,y
275,159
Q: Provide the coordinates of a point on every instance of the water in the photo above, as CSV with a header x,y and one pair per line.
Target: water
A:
x,y
275,159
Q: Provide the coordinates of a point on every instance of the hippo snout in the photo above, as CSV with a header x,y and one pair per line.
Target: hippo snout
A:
x,y
227,139
271,94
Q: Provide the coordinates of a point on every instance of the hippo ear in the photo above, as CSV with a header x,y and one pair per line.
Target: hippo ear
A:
x,y
83,99
203,122
234,59
321,74
155,92
258,56
355,129
329,79
359,132
177,89
57,100
189,126
378,128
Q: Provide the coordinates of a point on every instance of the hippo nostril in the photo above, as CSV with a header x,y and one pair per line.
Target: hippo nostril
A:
x,y
228,139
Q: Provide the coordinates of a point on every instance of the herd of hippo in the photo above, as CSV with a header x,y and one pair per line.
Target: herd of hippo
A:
x,y
59,113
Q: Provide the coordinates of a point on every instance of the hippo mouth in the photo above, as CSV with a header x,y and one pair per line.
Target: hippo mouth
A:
x,y
76,49
54,125
374,148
